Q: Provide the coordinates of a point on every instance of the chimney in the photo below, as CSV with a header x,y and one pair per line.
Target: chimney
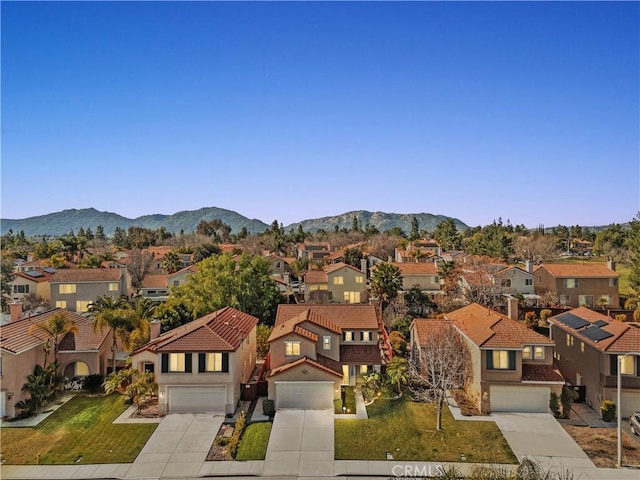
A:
x,y
528,266
286,278
512,308
15,311
155,329
363,266
611,265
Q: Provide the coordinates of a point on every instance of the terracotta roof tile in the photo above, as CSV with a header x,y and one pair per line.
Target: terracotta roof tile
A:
x,y
87,275
423,268
541,373
344,316
337,266
286,327
315,276
360,354
303,360
44,277
425,328
223,330
577,270
155,281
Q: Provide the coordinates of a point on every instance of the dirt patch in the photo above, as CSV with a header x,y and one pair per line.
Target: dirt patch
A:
x,y
148,411
219,450
601,445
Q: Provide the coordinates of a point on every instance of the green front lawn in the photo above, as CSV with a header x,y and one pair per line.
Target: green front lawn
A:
x,y
255,439
349,401
81,427
407,430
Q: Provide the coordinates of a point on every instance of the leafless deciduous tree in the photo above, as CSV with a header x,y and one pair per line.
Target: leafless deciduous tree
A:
x,y
536,247
441,363
138,265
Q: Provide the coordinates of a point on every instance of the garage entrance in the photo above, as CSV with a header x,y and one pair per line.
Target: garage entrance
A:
x,y
520,399
304,395
197,399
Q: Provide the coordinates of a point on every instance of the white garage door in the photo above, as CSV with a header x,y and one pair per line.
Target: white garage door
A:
x,y
520,399
304,395
196,399
630,402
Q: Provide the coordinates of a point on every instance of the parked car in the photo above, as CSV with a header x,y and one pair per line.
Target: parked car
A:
x,y
294,284
634,423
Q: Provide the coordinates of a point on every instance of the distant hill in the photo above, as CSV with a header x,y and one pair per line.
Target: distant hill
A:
x,y
60,223
381,220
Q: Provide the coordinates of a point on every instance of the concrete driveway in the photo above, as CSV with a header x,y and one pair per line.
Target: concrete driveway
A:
x,y
539,437
301,444
178,447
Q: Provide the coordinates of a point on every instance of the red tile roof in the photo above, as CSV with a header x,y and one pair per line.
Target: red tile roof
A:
x,y
292,325
315,276
78,275
490,329
15,336
308,361
541,373
360,354
44,277
423,268
337,266
223,330
577,270
425,328
357,317
155,281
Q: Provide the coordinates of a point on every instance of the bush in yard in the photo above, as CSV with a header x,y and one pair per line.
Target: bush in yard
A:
x,y
554,404
567,398
93,383
621,317
544,314
608,410
530,319
238,430
268,408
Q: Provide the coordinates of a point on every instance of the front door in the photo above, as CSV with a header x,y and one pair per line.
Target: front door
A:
x,y
348,375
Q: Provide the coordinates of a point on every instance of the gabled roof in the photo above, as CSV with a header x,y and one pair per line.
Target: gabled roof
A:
x,y
220,331
39,276
78,275
425,328
512,268
292,325
337,266
159,280
15,336
308,361
357,317
422,268
489,329
577,270
619,337
189,269
315,276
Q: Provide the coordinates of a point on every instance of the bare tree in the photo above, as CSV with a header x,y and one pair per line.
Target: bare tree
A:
x,y
138,266
441,363
536,247
480,284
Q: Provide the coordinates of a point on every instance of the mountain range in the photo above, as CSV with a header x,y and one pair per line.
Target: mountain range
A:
x,y
60,223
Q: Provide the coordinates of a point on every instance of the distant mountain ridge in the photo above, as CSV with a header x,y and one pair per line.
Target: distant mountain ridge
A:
x,y
61,223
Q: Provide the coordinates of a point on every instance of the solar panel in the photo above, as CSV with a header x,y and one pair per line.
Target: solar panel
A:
x,y
49,269
595,333
572,321
34,273
600,323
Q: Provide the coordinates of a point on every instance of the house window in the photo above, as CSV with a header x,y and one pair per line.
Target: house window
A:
x,y
82,305
292,349
213,362
338,280
501,360
66,288
176,362
82,369
61,304
359,279
114,286
435,279
626,367
352,297
21,289
506,283
571,283
176,283
528,281
347,336
538,353
569,340
613,282
364,368
365,336
277,265
582,347
326,342
585,301
564,299
526,353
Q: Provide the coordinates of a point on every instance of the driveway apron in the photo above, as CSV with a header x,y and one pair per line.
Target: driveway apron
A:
x,y
301,444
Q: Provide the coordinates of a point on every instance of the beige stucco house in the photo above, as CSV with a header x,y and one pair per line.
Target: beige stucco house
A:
x,y
76,289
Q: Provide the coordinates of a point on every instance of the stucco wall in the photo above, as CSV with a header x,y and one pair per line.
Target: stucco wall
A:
x,y
15,369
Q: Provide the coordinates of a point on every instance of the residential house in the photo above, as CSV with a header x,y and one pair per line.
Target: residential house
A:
x,y
22,266
512,366
424,275
155,287
314,252
579,285
418,251
199,366
279,266
76,289
31,281
314,349
79,354
588,345
514,280
342,283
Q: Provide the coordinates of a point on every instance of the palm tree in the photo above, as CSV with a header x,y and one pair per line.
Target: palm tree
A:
x,y
398,372
142,312
171,262
114,314
55,327
386,281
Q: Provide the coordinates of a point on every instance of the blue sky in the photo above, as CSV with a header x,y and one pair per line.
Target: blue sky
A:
x,y
524,111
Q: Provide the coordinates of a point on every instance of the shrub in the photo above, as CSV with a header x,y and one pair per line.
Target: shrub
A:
x,y
621,317
268,408
568,396
530,319
608,410
234,442
544,314
93,383
554,404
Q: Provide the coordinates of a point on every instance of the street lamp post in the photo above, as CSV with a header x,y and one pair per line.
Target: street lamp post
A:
x,y
618,406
